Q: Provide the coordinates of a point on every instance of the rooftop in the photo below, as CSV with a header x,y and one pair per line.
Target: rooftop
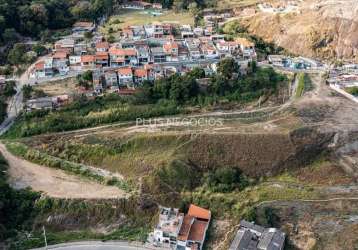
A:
x,y
199,212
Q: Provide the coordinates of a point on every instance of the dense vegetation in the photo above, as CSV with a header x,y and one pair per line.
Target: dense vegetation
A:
x,y
227,84
353,91
16,206
6,92
236,29
84,113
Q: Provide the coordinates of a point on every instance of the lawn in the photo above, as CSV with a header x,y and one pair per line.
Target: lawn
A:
x,y
140,17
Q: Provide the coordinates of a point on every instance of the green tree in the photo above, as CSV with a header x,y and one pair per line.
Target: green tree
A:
x,y
228,67
9,89
17,54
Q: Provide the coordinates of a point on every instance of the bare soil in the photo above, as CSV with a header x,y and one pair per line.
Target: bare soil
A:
x,y
53,182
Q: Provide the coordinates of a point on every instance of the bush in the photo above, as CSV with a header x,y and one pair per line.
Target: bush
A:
x,y
225,180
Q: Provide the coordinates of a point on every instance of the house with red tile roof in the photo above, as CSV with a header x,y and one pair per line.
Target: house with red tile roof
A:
x,y
182,232
193,230
125,76
171,50
102,46
140,75
88,61
102,58
122,57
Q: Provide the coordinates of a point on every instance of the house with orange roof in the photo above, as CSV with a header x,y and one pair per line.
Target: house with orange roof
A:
x,y
102,58
102,47
140,75
88,61
182,232
122,57
60,62
43,68
193,230
171,50
125,76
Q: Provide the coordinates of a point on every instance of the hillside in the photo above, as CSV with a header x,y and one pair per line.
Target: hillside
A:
x,y
320,28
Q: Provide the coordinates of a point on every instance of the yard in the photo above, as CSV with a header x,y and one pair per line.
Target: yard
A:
x,y
140,17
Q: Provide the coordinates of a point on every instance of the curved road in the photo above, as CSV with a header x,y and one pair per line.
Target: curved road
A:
x,y
98,245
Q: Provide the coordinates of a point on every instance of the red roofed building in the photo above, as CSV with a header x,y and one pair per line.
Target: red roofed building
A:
x,y
125,75
88,61
102,59
171,50
140,75
122,57
102,46
188,232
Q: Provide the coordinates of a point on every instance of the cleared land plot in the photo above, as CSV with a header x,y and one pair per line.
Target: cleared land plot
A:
x,y
61,87
140,17
55,183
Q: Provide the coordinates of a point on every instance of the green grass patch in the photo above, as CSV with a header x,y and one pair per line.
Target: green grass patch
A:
x,y
304,84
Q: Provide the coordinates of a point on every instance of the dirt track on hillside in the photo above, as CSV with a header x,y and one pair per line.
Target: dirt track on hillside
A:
x,y
53,182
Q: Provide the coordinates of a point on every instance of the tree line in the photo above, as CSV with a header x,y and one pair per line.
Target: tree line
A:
x,y
33,18
229,83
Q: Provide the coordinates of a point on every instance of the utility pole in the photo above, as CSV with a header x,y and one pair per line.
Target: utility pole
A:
x,y
44,232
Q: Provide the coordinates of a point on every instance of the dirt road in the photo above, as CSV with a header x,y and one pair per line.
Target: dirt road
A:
x,y
54,182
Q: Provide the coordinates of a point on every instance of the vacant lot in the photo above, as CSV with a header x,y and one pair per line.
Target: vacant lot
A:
x,y
61,87
140,17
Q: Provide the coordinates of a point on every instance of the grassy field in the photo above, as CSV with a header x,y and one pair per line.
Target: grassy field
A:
x,y
140,17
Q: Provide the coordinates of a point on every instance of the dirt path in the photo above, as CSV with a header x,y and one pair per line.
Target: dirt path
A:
x,y
54,182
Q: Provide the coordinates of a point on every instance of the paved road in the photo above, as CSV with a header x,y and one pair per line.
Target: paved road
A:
x,y
97,245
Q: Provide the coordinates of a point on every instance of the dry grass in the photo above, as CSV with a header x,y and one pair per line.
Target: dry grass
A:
x,y
61,87
141,17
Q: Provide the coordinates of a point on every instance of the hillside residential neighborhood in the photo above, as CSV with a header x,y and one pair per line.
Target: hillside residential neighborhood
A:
x,y
146,52
178,124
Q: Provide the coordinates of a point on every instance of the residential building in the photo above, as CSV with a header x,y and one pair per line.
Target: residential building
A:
x,y
102,59
209,51
43,103
193,230
102,47
135,5
111,78
83,27
88,61
171,49
247,48
65,45
125,76
255,237
97,77
143,53
75,63
168,227
43,68
158,55
80,48
140,75
158,6
60,62
122,57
